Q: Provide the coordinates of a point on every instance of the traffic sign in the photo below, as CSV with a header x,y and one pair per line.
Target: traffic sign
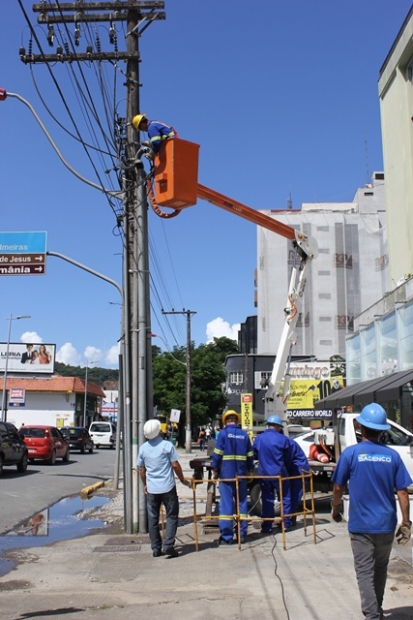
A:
x,y
22,253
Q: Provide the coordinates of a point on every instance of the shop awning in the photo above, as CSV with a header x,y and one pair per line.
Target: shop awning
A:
x,y
380,389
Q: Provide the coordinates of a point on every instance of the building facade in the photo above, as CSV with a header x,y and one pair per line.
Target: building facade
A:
x,y
55,401
350,273
396,111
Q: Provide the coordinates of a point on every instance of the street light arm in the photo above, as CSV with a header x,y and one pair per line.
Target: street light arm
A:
x,y
168,350
118,194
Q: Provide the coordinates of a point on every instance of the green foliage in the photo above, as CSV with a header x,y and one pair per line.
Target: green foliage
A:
x,y
207,378
94,374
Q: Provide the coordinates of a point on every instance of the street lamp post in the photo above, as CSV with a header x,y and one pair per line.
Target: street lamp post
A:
x,y
4,396
85,404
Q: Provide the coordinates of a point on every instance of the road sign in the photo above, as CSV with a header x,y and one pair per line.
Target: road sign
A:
x,y
22,253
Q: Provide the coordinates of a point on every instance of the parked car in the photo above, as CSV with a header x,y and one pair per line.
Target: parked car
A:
x,y
103,433
13,450
78,438
46,443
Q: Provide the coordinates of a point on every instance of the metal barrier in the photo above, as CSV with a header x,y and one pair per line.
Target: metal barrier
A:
x,y
211,498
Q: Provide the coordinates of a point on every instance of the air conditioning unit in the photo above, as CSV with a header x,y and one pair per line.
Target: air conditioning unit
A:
x,y
324,436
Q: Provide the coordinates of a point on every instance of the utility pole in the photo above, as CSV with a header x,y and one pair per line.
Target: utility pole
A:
x,y
136,344
188,429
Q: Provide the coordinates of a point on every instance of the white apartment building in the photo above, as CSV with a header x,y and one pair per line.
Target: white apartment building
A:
x,y
350,273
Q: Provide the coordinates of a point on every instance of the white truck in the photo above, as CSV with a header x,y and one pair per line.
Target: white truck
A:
x,y
344,432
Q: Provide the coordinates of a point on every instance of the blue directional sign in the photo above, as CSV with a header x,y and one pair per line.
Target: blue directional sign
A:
x,y
22,253
22,242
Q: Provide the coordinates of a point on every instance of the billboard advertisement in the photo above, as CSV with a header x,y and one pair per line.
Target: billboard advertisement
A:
x,y
28,359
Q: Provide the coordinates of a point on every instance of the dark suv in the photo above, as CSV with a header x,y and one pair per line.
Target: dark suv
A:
x,y
13,450
78,438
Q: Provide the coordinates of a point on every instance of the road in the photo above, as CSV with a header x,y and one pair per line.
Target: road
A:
x,y
22,495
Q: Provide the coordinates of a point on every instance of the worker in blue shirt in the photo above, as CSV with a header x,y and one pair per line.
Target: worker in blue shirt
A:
x,y
233,456
374,473
158,132
273,451
298,465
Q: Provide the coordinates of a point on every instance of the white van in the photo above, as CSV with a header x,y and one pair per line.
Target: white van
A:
x,y
103,433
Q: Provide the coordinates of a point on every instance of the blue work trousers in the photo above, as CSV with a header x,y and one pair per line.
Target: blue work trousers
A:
x,y
296,493
227,508
371,557
270,490
171,503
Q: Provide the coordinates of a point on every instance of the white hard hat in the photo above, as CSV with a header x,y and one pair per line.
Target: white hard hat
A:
x,y
151,429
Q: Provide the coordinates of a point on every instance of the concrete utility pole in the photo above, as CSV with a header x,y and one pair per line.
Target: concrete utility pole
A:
x,y
136,345
188,425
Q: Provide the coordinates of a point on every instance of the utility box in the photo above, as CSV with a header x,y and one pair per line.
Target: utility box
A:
x,y
176,174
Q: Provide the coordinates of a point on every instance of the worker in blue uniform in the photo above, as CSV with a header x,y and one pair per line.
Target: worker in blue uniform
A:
x,y
374,473
274,454
158,132
233,456
298,465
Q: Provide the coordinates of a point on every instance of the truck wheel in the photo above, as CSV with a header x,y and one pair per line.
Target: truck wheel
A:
x,y
22,466
255,496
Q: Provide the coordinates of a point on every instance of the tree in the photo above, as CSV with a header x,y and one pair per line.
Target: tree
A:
x,y
224,346
207,374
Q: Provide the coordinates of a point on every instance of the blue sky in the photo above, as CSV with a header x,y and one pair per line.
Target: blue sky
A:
x,y
281,96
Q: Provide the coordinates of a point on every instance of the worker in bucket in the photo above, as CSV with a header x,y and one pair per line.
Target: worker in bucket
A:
x,y
233,456
373,473
157,462
158,132
274,454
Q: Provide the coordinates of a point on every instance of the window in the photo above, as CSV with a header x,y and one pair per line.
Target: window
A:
x,y
324,295
236,378
323,228
327,343
324,273
325,318
324,250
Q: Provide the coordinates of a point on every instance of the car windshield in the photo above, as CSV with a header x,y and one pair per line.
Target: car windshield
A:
x,y
100,428
71,432
33,432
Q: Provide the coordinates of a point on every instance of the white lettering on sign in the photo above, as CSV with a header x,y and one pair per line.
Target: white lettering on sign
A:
x,y
309,371
14,270
13,247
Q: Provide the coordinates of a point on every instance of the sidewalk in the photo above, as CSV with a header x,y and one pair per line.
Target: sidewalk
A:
x,y
109,575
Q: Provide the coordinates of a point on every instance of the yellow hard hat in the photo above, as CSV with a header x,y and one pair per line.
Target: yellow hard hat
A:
x,y
229,413
136,121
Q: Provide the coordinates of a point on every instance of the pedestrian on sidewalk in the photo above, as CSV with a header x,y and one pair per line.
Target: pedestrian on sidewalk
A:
x,y
157,462
201,439
373,472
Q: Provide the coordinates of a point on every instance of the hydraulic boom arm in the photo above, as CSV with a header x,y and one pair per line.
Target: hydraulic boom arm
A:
x,y
177,187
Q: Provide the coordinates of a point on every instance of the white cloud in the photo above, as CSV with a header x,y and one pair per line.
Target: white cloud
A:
x,y
67,354
92,354
217,328
112,356
31,337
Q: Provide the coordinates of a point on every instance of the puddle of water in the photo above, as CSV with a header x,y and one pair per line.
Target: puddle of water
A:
x,y
61,521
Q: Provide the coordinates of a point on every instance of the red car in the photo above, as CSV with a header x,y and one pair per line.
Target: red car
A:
x,y
46,443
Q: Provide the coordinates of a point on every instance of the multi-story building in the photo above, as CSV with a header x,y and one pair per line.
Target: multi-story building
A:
x,y
350,273
396,111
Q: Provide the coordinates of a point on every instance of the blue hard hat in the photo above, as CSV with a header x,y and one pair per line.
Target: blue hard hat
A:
x,y
274,419
373,416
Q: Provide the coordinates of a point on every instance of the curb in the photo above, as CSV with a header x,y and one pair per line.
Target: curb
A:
x,y
92,488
